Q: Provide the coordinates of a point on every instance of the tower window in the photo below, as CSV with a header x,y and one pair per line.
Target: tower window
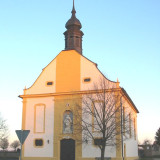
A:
x,y
86,79
77,41
38,142
70,41
49,83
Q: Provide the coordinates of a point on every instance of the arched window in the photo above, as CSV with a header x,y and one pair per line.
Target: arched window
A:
x,y
68,122
77,41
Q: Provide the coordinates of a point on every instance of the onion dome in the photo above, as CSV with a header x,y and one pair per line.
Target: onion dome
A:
x,y
73,21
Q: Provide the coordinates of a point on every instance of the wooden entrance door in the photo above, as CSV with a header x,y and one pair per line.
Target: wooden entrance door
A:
x,y
67,149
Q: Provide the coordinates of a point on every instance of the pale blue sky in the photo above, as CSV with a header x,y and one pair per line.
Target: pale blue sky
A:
x,y
121,36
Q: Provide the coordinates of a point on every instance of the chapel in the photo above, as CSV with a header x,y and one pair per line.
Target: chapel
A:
x,y
49,107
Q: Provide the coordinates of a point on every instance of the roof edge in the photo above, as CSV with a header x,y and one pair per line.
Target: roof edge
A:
x,y
126,94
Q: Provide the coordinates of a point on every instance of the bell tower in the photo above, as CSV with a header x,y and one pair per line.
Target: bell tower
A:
x,y
73,34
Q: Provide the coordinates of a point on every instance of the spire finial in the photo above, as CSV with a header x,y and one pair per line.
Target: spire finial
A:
x,y
117,80
117,84
73,10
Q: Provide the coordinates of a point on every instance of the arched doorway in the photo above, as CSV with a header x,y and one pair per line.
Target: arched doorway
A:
x,y
67,149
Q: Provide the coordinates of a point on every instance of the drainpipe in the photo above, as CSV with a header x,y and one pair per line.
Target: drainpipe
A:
x,y
122,127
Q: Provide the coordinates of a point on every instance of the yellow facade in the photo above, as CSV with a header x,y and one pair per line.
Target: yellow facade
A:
x,y
67,80
60,108
68,71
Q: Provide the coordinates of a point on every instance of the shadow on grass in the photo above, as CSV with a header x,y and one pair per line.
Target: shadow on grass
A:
x,y
149,158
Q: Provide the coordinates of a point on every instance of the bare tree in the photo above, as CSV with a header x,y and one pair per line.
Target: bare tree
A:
x,y
4,143
15,144
147,142
101,118
3,128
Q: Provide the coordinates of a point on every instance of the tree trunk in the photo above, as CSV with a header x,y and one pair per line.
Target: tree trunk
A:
x,y
102,153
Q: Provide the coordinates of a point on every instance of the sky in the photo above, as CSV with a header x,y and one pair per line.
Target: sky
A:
x,y
121,36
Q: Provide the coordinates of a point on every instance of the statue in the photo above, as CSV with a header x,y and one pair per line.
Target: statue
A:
x,y
67,124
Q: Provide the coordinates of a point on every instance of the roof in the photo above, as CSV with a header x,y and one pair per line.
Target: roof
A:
x,y
126,94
